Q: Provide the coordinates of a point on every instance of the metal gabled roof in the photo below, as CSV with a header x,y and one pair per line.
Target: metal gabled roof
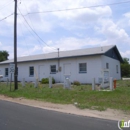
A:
x,y
63,54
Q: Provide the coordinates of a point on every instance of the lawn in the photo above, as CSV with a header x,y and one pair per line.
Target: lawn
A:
x,y
81,95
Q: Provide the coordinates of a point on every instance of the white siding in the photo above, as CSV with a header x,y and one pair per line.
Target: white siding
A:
x,y
112,67
94,66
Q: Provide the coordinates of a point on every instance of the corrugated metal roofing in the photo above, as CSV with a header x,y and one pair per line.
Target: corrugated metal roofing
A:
x,y
63,54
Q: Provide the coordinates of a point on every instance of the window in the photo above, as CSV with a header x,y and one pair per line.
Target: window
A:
x,y
31,71
82,67
53,68
107,65
6,72
117,68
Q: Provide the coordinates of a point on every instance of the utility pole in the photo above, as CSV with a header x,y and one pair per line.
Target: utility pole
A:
x,y
15,45
58,59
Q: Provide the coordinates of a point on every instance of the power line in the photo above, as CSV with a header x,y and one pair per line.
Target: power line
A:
x,y
6,17
94,6
31,22
34,31
6,5
32,34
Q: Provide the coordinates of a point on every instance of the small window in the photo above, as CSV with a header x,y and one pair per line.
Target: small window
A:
x,y
31,71
82,67
53,68
117,68
107,65
6,72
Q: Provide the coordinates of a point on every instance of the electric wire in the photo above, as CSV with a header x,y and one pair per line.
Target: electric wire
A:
x,y
70,9
30,20
34,30
32,34
6,17
6,5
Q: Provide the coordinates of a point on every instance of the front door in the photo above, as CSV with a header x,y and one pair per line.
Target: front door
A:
x,y
41,72
67,69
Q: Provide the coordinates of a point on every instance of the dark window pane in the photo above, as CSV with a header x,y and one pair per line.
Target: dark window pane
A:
x,y
82,67
31,71
53,68
6,71
117,68
107,65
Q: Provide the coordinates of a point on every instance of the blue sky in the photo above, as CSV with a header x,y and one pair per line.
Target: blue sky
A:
x,y
67,30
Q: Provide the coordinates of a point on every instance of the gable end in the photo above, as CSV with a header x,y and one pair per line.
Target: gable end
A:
x,y
114,54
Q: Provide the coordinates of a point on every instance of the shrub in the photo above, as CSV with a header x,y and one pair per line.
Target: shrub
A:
x,y
46,81
76,83
53,80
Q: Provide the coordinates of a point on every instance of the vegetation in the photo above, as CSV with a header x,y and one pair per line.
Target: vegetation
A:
x,y
82,96
76,83
46,81
3,55
125,68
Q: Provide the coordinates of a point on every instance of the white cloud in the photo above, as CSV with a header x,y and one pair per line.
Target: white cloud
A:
x,y
113,33
71,29
71,43
126,54
127,15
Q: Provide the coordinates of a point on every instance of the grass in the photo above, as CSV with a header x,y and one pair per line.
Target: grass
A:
x,y
82,96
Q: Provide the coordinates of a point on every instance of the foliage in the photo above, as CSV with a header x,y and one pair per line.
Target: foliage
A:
x,y
3,55
125,68
46,80
82,95
126,60
76,83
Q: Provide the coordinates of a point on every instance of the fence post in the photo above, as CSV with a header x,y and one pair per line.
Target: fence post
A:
x,y
67,83
36,83
111,83
50,82
23,82
93,84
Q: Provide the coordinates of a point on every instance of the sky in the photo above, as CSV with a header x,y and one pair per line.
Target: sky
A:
x,y
42,27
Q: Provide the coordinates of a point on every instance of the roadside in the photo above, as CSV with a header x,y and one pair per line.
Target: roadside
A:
x,y
71,109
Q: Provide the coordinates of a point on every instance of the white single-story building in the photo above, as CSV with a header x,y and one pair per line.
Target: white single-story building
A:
x,y
81,65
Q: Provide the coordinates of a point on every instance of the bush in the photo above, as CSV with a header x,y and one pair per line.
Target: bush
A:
x,y
76,83
46,81
53,80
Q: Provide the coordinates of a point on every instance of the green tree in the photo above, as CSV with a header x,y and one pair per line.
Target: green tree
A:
x,y
126,60
125,68
3,55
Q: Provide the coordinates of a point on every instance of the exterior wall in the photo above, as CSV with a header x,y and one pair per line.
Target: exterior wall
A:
x,y
2,72
93,69
112,67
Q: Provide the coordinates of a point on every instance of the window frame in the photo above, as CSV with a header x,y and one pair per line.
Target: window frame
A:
x,y
117,69
31,75
107,65
6,72
53,72
80,71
